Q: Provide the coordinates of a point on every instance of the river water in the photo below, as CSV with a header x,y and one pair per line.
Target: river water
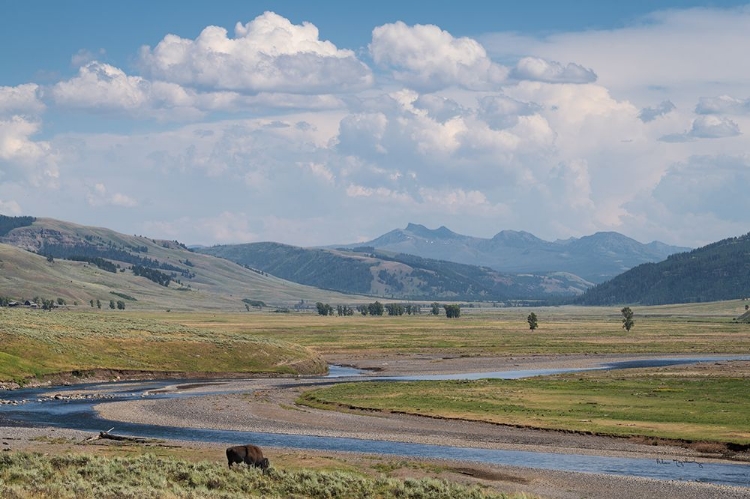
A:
x,y
36,408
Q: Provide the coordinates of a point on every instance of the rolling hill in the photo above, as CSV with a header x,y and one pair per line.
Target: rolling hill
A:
x,y
396,276
718,271
594,258
35,260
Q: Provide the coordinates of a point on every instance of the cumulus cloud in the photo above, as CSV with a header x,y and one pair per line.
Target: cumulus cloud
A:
x,y
23,158
22,99
100,85
713,127
427,57
651,113
706,127
723,105
105,88
536,69
268,54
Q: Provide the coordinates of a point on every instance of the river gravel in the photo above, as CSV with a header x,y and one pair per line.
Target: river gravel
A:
x,y
267,405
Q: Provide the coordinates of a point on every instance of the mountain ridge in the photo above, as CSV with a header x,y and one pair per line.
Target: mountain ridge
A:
x,y
595,258
35,261
717,271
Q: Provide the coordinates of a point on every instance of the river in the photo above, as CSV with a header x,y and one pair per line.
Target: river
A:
x,y
39,407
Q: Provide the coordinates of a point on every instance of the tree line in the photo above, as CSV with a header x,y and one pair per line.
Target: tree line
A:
x,y
7,223
391,309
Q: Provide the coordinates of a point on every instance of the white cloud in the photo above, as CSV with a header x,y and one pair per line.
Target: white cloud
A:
x,y
713,127
536,69
268,54
723,104
22,99
104,88
100,85
427,57
23,158
446,135
706,127
670,54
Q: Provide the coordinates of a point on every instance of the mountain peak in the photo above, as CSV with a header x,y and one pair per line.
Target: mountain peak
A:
x,y
441,232
515,236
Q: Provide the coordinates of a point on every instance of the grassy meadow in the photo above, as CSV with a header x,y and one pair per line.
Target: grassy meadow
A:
x,y
35,344
695,404
686,329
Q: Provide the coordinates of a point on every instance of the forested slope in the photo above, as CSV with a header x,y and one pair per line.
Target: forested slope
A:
x,y
718,271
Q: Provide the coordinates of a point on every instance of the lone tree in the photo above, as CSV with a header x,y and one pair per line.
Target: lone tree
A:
x,y
627,318
531,319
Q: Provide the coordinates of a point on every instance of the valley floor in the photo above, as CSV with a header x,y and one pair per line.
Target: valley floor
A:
x,y
268,405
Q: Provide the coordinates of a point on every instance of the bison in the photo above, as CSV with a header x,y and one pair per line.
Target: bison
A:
x,y
248,454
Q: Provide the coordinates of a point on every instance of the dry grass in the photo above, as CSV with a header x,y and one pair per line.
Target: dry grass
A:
x,y
562,330
36,343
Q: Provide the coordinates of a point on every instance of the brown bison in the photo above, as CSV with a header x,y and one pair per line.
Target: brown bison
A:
x,y
248,454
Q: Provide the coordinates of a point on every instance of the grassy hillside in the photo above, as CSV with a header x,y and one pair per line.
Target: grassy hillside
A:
x,y
196,281
35,344
397,276
719,271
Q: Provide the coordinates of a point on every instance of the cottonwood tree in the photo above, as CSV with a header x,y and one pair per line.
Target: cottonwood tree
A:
x,y
532,320
627,318
324,308
452,311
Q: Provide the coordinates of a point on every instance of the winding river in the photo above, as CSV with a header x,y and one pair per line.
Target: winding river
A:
x,y
39,407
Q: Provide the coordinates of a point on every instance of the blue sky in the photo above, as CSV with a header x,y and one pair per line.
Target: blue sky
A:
x,y
318,123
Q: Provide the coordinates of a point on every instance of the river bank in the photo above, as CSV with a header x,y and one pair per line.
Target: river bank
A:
x,y
267,405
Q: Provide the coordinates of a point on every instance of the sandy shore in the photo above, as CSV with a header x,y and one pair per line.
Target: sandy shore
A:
x,y
267,405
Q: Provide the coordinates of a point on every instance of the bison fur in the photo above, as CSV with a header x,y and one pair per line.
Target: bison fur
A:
x,y
248,454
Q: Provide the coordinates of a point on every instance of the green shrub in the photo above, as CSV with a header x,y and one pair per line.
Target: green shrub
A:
x,y
74,476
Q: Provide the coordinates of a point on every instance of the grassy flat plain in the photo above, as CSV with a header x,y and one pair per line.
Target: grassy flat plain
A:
x,y
35,343
696,404
687,329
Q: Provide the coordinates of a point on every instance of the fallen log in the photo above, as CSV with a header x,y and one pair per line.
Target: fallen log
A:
x,y
107,435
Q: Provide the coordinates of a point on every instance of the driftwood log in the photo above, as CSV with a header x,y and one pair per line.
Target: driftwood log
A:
x,y
107,435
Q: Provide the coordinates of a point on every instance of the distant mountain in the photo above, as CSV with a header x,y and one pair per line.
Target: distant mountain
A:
x,y
397,276
594,258
55,259
719,271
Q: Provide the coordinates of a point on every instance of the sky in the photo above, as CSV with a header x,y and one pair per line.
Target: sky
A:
x,y
332,122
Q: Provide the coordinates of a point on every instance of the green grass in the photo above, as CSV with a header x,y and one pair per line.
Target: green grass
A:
x,y
74,476
34,343
683,404
701,328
